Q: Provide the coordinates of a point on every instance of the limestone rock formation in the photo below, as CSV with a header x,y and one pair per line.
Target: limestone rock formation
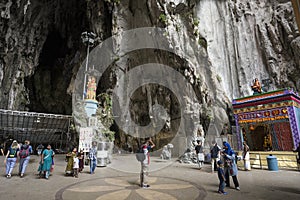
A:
x,y
41,52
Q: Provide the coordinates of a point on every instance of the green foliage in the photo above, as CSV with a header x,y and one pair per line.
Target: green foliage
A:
x,y
104,115
109,135
219,78
104,112
163,18
202,42
195,22
178,27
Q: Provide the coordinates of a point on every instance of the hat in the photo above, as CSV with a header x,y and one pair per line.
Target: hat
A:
x,y
220,162
15,141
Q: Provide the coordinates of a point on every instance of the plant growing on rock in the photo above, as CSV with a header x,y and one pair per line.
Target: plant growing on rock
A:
x,y
163,18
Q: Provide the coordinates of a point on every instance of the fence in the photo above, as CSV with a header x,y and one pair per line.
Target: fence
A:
x,y
258,160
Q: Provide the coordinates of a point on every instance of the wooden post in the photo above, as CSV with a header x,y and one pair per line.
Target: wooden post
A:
x,y
296,6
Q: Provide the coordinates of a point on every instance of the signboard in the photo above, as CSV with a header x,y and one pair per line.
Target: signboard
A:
x,y
85,139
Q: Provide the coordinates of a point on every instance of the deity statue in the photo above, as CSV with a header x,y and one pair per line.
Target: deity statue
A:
x,y
91,88
256,87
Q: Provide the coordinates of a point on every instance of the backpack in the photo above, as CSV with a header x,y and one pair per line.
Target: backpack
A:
x,y
140,156
24,151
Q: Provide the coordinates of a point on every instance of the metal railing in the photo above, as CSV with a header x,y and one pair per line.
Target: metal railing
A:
x,y
285,160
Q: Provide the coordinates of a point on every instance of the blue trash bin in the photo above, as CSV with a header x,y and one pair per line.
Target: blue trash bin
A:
x,y
272,163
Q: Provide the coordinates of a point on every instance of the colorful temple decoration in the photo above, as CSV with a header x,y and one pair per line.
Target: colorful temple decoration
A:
x,y
268,121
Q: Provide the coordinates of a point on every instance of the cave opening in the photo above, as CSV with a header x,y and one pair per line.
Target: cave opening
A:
x,y
47,86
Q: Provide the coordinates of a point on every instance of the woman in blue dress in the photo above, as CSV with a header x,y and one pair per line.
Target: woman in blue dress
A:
x,y
46,160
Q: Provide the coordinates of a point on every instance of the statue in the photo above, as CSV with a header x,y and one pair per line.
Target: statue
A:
x,y
166,153
256,87
91,88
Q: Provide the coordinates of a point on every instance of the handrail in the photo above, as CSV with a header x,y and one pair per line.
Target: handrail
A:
x,y
286,160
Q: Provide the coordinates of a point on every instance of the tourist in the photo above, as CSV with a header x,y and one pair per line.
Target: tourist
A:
x,y
215,155
93,157
199,153
75,166
39,149
70,161
81,160
52,164
146,146
1,149
230,167
221,177
24,155
46,160
246,156
11,158
256,87
41,172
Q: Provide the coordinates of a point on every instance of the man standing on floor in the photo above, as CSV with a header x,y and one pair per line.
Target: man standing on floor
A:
x,y
147,145
93,157
215,155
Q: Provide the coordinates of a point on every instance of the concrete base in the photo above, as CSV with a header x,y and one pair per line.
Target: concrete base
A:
x,y
90,107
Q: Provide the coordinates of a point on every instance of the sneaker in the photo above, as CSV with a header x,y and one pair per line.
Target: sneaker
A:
x,y
146,186
224,193
8,176
22,175
238,188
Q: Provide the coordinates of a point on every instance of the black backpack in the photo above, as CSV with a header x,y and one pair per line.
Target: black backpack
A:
x,y
140,156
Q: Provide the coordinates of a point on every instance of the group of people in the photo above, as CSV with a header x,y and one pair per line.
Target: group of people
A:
x,y
224,161
21,153
17,152
75,161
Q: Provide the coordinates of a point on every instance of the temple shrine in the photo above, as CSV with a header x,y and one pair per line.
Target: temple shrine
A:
x,y
268,121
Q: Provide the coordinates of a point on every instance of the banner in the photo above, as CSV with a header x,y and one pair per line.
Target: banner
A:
x,y
85,139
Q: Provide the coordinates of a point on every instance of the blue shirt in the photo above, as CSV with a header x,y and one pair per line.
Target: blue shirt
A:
x,y
221,174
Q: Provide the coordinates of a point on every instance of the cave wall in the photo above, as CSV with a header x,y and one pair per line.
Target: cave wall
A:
x,y
251,39
41,52
40,46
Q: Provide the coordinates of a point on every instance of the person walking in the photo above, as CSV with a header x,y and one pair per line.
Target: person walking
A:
x,y
39,149
75,166
246,156
81,160
146,147
93,157
70,162
11,158
230,167
24,155
199,153
46,160
215,155
1,149
221,177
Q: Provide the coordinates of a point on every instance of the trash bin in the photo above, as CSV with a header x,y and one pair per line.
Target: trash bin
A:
x,y
272,163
